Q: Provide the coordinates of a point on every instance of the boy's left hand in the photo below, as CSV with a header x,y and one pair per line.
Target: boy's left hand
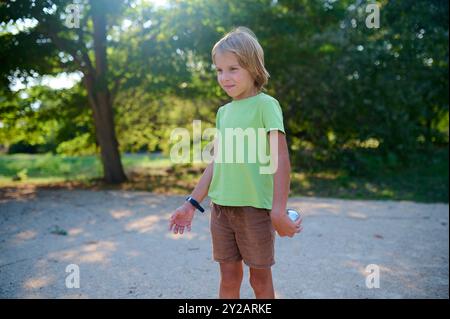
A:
x,y
284,225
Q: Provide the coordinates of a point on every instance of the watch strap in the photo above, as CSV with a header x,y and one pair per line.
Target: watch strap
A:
x,y
191,200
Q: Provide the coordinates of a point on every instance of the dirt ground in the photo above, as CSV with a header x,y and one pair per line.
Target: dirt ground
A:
x,y
119,242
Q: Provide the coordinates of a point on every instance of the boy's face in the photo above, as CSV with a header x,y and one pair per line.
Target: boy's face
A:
x,y
234,79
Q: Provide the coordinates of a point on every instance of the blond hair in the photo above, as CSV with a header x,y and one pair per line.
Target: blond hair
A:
x,y
243,42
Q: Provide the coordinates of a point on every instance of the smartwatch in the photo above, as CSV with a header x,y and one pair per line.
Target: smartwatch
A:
x,y
191,200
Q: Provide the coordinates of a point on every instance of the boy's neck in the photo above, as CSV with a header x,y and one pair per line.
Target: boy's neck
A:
x,y
247,94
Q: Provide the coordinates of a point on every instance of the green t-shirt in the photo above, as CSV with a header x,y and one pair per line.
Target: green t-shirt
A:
x,y
241,175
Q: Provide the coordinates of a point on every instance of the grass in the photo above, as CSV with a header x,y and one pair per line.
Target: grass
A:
x,y
425,179
423,182
41,168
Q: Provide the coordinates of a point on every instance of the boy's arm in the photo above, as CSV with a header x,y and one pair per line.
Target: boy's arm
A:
x,y
281,186
281,179
201,190
182,217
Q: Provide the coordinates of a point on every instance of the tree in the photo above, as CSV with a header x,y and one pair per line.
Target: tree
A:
x,y
39,49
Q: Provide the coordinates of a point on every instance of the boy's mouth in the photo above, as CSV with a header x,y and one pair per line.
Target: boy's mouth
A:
x,y
228,86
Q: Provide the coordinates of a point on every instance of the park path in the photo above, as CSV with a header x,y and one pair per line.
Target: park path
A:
x,y
120,243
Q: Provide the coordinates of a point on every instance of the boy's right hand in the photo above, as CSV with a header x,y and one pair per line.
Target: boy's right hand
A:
x,y
181,218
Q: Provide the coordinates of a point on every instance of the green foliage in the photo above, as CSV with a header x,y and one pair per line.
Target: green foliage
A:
x,y
80,145
357,99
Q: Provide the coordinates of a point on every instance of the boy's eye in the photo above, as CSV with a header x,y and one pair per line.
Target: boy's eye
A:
x,y
231,69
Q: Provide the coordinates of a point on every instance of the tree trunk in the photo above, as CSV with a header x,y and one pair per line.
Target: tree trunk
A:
x,y
104,130
99,98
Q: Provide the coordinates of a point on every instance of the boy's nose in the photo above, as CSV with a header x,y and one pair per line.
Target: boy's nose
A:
x,y
224,78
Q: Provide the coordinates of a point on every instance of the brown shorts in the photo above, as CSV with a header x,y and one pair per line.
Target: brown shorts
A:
x,y
242,233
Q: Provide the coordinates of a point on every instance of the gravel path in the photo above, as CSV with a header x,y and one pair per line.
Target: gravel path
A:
x,y
120,243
